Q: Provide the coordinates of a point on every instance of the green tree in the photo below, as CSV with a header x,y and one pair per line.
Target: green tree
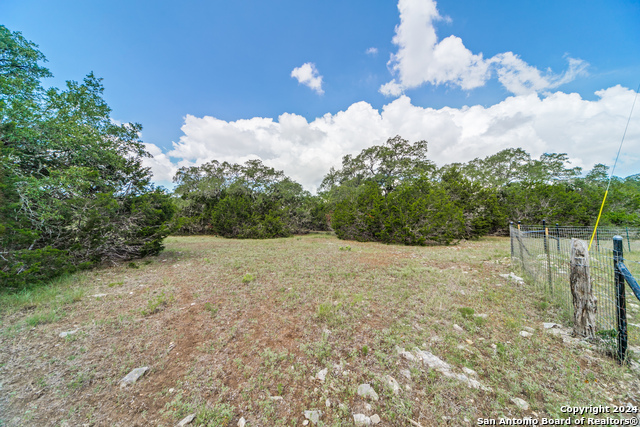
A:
x,y
73,187
388,165
244,201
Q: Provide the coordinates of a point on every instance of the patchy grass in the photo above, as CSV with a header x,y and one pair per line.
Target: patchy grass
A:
x,y
223,343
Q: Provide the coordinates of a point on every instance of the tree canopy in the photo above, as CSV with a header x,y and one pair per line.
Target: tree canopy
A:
x,y
73,189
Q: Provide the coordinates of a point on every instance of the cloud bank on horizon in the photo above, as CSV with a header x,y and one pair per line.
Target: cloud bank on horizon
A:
x,y
533,118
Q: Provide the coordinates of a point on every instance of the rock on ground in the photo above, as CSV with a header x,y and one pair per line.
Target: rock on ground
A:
x,y
434,362
313,416
322,374
365,390
520,403
133,376
392,383
186,420
67,333
361,420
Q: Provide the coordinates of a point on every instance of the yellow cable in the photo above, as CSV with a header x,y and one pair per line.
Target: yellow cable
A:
x,y
598,220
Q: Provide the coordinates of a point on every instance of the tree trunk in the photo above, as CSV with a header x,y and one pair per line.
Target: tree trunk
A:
x,y
584,303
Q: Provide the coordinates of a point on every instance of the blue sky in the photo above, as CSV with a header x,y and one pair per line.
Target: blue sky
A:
x,y
216,79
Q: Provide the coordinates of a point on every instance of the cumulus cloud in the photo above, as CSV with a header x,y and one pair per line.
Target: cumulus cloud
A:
x,y
308,75
421,59
588,130
373,51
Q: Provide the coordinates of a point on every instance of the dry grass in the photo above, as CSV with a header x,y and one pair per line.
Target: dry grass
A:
x,y
225,325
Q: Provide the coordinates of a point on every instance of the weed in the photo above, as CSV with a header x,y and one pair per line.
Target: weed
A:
x,y
248,278
112,284
211,308
466,312
132,265
156,304
345,248
330,313
320,349
42,318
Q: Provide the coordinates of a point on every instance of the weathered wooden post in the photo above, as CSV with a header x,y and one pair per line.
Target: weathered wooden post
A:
x,y
584,303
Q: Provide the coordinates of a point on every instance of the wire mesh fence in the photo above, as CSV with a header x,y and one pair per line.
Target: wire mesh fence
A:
x,y
544,254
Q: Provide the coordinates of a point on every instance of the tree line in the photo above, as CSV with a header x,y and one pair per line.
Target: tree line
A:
x,y
74,193
393,193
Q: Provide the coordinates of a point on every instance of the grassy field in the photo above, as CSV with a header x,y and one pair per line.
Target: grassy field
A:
x,y
241,328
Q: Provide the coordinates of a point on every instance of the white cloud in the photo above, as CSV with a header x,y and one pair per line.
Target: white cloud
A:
x,y
373,51
589,131
421,59
308,75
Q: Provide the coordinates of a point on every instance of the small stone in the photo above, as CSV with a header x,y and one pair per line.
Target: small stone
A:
x,y
99,295
327,403
365,390
481,315
469,342
313,416
435,338
305,422
405,354
133,376
520,403
171,390
275,398
525,334
368,407
549,325
469,371
361,420
528,329
186,420
242,422
375,419
322,375
67,333
457,328
513,277
392,383
405,373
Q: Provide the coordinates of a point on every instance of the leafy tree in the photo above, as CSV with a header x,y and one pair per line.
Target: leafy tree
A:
x,y
244,201
73,188
388,165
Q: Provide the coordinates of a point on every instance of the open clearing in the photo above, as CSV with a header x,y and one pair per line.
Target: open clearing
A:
x,y
242,328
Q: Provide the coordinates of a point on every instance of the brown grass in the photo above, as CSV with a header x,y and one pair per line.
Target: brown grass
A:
x,y
225,325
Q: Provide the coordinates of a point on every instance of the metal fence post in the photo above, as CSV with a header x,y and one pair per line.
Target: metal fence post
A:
x,y
558,235
621,310
628,241
511,236
520,246
546,251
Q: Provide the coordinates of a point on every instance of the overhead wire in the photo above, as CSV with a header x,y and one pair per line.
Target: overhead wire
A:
x,y
595,229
